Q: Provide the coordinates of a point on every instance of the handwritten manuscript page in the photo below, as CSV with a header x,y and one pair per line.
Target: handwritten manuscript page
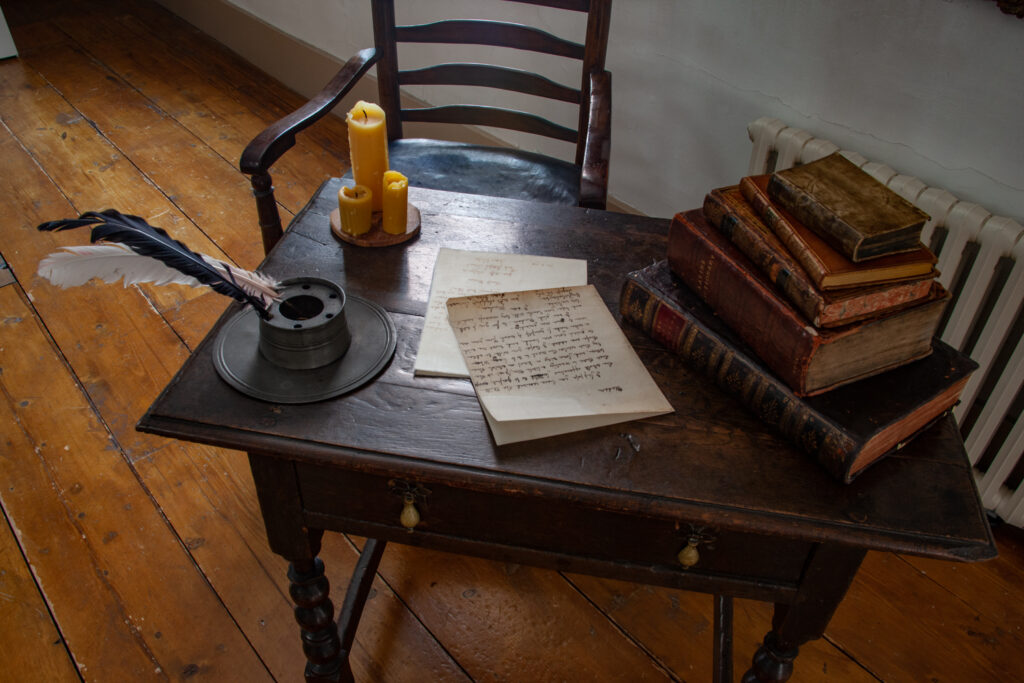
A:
x,y
551,361
464,273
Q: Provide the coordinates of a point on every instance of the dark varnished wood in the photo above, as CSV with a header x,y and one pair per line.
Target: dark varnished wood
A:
x,y
490,76
593,154
481,115
268,147
826,579
493,33
577,5
590,136
723,639
709,465
314,613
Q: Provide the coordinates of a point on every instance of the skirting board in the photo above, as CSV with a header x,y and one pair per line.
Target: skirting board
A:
x,y
304,68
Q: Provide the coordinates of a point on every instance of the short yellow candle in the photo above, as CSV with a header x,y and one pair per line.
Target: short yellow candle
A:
x,y
396,202
368,147
356,209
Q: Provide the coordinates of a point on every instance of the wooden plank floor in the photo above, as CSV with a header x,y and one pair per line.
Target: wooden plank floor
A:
x,y
127,557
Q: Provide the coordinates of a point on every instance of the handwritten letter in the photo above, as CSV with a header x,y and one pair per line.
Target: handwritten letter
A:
x,y
463,273
550,361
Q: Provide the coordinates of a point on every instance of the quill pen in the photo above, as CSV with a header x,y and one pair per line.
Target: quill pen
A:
x,y
138,252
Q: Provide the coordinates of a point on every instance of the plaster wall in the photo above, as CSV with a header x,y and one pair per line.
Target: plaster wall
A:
x,y
934,88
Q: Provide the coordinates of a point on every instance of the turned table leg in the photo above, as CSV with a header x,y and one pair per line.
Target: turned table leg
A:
x,y
314,613
325,643
771,663
827,577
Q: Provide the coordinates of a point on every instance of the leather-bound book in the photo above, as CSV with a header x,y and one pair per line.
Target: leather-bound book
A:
x,y
845,430
808,359
827,267
726,209
852,211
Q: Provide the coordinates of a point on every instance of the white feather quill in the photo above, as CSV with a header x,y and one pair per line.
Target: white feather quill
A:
x,y
113,261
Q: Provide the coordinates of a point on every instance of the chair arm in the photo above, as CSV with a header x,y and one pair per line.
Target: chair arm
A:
x,y
267,147
597,144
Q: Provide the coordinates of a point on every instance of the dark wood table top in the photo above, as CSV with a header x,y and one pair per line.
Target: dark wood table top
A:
x,y
709,460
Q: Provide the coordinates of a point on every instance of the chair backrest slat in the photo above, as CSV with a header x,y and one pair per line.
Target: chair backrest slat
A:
x,y
478,115
506,34
576,5
490,76
493,33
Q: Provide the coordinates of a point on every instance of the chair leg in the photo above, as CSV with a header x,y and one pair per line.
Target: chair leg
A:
x,y
723,639
266,209
358,589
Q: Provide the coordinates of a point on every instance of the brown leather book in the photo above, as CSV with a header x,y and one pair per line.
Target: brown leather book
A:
x,y
845,430
827,267
808,359
726,209
852,211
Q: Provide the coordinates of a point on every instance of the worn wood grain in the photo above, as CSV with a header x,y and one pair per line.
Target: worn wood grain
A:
x,y
676,627
198,181
233,552
893,613
992,588
208,496
218,116
100,545
508,614
31,647
51,143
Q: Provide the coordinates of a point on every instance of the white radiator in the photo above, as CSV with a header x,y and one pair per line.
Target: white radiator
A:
x,y
981,261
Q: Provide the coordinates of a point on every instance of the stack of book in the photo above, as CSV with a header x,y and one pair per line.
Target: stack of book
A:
x,y
807,293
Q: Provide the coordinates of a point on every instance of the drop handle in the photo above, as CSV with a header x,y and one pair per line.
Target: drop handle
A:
x,y
689,555
410,516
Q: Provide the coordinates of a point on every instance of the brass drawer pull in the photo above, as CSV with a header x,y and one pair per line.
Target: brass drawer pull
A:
x,y
410,516
689,556
411,493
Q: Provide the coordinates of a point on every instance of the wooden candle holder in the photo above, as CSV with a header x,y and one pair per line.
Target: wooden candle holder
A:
x,y
376,237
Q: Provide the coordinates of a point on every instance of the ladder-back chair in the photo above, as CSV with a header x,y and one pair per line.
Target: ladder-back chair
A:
x,y
463,167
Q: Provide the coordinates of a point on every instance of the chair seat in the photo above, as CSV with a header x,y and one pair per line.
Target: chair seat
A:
x,y
476,169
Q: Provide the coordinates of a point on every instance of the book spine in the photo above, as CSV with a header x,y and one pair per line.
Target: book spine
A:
x,y
811,213
768,398
782,229
752,241
779,336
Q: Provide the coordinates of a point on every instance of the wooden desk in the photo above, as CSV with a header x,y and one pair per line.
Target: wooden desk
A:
x,y
768,522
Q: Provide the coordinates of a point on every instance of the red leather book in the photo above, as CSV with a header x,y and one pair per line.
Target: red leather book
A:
x,y
808,359
827,267
845,430
729,211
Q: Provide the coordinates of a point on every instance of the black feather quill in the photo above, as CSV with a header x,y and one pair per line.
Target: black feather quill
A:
x,y
147,240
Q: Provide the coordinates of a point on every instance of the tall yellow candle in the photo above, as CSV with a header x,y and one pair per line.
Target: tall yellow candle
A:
x,y
368,147
355,209
396,202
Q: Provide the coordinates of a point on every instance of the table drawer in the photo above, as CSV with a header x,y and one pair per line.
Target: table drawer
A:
x,y
559,526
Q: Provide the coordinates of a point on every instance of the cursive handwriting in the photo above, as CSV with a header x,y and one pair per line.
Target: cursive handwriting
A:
x,y
523,340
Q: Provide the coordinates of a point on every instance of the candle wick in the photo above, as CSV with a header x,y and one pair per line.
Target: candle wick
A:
x,y
365,115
